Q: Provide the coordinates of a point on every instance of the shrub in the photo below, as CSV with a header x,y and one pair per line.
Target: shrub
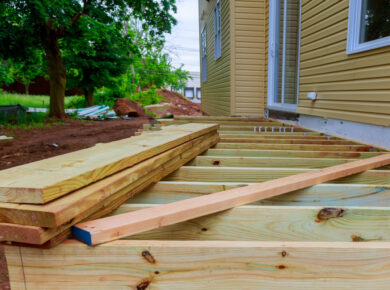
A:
x,y
145,98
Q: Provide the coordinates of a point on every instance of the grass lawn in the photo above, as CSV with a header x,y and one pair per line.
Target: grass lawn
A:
x,y
34,101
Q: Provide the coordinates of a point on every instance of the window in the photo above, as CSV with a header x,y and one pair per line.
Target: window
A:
x,y
203,52
368,25
189,93
217,31
198,93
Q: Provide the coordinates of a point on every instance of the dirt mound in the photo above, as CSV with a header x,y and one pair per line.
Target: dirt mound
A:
x,y
179,105
126,107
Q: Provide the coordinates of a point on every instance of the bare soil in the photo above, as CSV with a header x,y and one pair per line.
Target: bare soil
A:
x,y
36,144
180,105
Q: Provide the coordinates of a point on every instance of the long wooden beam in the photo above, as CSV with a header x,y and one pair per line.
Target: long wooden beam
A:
x,y
331,195
61,211
285,141
251,174
308,147
115,227
278,137
202,265
34,235
251,129
288,153
275,223
45,180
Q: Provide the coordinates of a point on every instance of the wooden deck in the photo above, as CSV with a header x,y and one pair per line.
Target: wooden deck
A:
x,y
332,234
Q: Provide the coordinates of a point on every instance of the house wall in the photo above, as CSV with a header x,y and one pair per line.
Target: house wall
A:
x,y
350,87
216,90
248,70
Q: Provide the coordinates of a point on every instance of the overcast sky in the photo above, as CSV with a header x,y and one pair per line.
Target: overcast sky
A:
x,y
183,43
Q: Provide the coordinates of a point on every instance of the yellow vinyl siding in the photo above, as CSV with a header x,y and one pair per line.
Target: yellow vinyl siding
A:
x,y
248,57
352,87
216,90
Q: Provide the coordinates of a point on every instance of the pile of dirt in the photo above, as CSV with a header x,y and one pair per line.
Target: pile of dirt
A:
x,y
179,105
126,107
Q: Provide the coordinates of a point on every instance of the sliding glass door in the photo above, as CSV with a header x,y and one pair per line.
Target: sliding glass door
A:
x,y
283,56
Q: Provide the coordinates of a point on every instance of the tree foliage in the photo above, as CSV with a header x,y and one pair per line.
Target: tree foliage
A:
x,y
46,25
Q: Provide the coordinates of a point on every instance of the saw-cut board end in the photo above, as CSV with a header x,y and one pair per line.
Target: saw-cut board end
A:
x,y
82,235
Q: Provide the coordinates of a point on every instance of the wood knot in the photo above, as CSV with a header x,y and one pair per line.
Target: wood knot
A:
x,y
143,285
356,238
148,257
204,229
216,162
284,253
329,213
281,267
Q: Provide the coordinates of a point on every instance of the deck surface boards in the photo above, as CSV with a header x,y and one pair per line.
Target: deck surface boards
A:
x,y
328,235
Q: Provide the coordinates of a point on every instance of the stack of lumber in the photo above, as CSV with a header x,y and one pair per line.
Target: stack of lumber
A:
x,y
40,201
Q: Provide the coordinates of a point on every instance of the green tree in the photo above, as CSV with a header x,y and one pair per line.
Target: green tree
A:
x,y
97,61
45,25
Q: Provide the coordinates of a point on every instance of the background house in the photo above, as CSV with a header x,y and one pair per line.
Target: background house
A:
x,y
323,64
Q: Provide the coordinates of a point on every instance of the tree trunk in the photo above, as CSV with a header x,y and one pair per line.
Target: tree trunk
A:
x,y
89,100
57,75
26,86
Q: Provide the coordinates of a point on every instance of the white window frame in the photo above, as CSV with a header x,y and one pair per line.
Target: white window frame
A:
x,y
273,57
217,31
354,31
203,52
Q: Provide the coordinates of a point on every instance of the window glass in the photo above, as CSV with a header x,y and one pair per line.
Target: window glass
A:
x,y
189,93
204,54
375,20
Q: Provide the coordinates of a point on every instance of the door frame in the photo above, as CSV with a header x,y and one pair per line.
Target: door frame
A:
x,y
273,56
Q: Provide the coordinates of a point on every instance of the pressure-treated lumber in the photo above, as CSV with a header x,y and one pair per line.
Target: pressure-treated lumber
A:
x,y
308,147
112,228
45,180
38,236
62,210
284,141
330,195
289,153
226,265
276,223
252,174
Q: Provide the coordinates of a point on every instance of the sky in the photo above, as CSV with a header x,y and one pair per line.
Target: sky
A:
x,y
183,43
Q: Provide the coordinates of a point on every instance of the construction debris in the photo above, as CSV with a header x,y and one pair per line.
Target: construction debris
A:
x,y
4,140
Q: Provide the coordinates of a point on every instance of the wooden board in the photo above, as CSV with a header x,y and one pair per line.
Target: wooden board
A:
x,y
62,210
307,147
284,141
112,228
276,223
38,236
288,153
68,172
202,265
329,195
251,174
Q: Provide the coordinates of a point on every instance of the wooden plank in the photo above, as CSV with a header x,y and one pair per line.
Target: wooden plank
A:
x,y
74,170
270,162
112,228
62,210
330,195
277,137
202,265
275,223
290,153
222,118
268,133
250,174
285,141
309,147
39,236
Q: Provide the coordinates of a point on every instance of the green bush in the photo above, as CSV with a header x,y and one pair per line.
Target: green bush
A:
x,y
25,120
145,98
